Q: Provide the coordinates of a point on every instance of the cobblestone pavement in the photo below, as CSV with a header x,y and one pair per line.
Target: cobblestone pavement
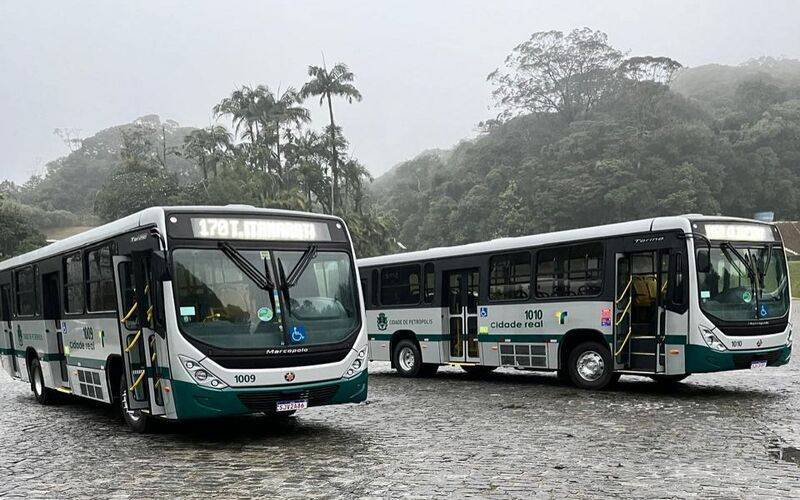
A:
x,y
512,434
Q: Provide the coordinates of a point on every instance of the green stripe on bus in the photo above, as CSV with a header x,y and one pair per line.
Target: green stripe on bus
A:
x,y
490,337
516,337
21,354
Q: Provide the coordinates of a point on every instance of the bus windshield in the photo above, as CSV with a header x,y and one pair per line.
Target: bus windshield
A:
x,y
745,282
222,306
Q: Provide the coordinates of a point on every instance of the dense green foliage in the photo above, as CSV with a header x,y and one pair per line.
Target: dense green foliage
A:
x,y
587,137
17,233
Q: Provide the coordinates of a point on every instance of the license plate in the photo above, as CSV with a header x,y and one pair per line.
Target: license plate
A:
x,y
291,405
758,364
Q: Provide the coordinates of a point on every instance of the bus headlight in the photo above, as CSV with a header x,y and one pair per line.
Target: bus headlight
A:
x,y
358,364
789,338
200,374
711,339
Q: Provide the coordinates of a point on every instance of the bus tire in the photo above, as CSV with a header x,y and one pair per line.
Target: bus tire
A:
x,y
668,380
408,359
135,420
590,366
478,370
42,394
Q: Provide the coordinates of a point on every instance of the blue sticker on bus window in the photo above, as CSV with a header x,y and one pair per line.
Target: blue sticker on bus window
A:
x,y
763,311
297,335
484,312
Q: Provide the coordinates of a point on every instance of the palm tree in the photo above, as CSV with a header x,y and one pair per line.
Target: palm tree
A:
x,y
327,84
208,146
287,111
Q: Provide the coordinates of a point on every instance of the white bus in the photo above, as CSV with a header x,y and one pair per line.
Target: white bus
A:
x,y
663,297
190,312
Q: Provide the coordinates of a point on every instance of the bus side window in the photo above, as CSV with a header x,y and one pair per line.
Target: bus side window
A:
x,y
430,288
364,291
569,271
375,284
25,289
400,285
510,276
100,280
73,284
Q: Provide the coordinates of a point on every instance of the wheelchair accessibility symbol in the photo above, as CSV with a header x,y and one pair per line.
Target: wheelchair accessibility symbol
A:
x,y
298,334
484,312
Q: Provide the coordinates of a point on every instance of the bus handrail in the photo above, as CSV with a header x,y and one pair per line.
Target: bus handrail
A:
x,y
622,295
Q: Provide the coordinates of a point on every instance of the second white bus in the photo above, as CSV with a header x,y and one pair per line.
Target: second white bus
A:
x,y
663,297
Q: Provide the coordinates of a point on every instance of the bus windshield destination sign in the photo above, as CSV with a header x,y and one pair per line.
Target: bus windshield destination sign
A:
x,y
739,232
259,229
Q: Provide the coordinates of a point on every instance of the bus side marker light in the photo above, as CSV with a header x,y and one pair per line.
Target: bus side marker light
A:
x,y
494,347
674,351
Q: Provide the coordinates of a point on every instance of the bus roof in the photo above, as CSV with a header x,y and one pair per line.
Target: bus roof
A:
x,y
586,233
146,217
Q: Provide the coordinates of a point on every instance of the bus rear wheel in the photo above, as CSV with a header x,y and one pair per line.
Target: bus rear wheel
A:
x,y
136,420
590,366
42,394
407,360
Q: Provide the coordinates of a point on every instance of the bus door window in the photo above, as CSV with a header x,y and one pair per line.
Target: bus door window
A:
x,y
456,320
51,311
472,313
5,312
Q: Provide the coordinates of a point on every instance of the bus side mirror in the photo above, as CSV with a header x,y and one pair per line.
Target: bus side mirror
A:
x,y
703,260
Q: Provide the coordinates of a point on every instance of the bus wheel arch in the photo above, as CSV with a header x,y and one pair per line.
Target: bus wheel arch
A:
x,y
406,355
594,348
40,391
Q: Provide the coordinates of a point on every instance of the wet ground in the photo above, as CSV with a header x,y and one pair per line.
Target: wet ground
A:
x,y
511,434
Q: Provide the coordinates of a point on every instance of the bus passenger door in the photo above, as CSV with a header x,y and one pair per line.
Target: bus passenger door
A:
x,y
648,316
140,344
51,307
8,332
461,294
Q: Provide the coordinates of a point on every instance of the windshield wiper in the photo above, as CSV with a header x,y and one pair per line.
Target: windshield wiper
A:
x,y
298,269
262,280
748,266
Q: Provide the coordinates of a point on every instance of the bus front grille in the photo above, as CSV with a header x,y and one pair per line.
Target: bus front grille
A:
x,y
266,401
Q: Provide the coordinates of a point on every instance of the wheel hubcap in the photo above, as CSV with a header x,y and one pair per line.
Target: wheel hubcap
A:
x,y
407,359
591,366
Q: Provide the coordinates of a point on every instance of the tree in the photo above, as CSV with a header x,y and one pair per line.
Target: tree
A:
x,y
554,72
328,84
208,147
650,69
17,234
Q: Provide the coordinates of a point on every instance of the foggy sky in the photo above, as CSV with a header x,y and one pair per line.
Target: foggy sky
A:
x,y
421,65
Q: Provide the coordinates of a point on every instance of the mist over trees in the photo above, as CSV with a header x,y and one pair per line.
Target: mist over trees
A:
x,y
587,135
584,134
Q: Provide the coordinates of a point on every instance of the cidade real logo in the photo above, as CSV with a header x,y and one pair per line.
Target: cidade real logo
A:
x,y
383,322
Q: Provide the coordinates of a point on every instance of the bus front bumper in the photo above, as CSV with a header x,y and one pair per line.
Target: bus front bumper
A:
x,y
194,401
701,359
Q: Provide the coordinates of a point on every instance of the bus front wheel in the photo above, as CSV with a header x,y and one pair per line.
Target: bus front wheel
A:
x,y
590,366
136,420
